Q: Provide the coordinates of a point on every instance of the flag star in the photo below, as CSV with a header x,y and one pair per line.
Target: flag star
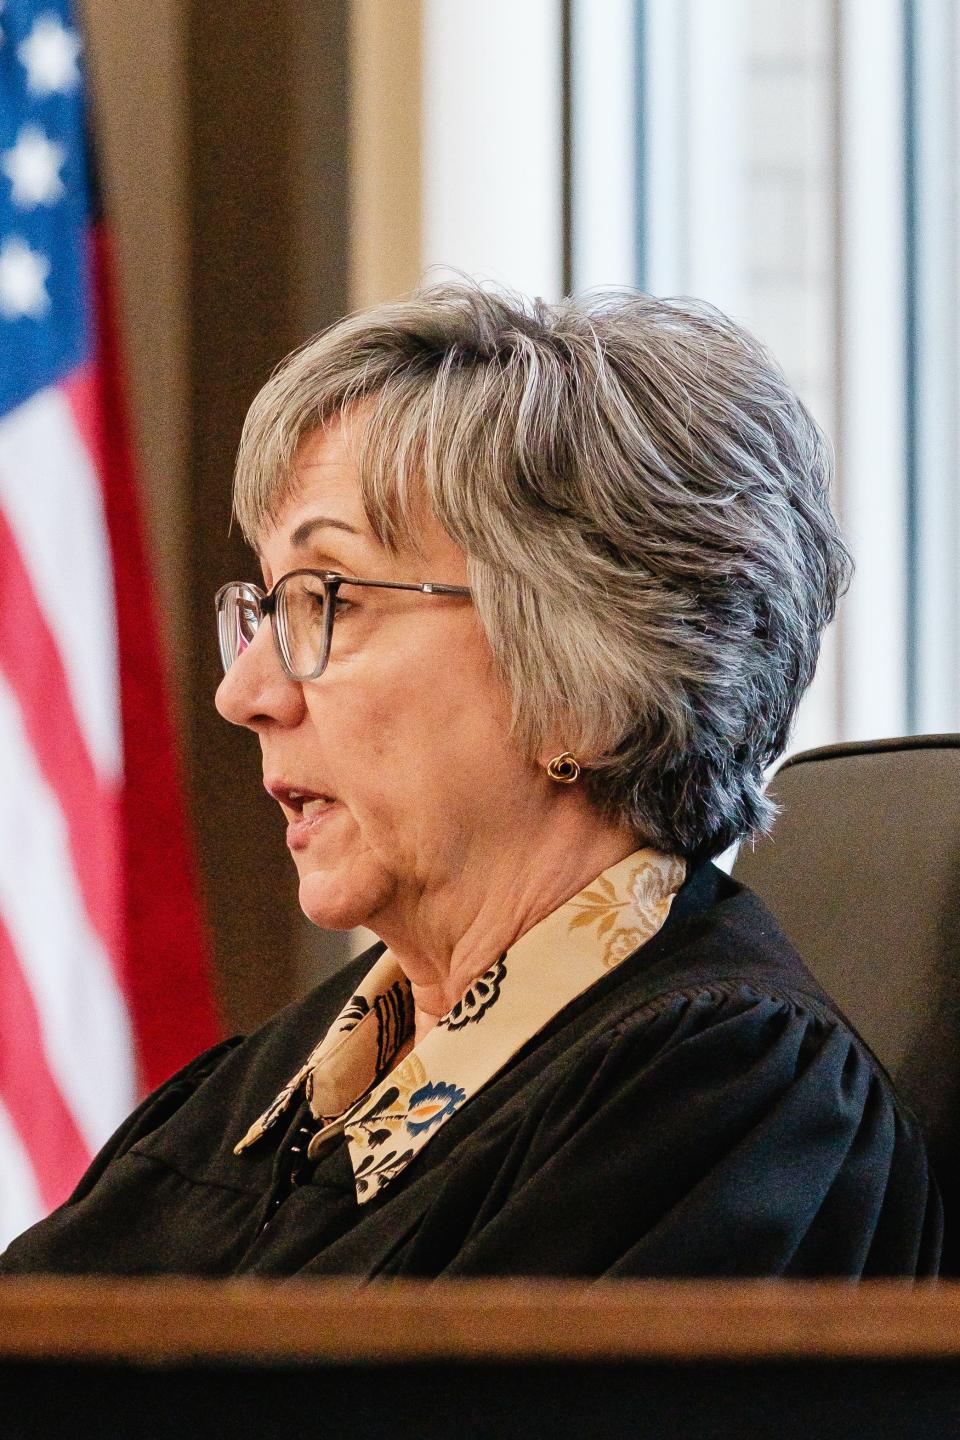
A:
x,y
49,54
23,276
33,168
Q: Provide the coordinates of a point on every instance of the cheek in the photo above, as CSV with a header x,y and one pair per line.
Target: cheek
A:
x,y
416,739
364,752
410,690
442,710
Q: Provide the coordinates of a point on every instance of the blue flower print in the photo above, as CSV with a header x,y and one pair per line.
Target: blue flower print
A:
x,y
431,1104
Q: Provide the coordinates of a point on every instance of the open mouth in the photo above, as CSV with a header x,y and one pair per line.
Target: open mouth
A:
x,y
306,811
308,805
305,803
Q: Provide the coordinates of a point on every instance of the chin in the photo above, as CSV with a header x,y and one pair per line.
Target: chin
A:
x,y
337,904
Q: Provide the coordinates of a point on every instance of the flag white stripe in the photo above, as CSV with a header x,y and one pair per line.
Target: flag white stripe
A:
x,y
20,1203
51,495
83,1018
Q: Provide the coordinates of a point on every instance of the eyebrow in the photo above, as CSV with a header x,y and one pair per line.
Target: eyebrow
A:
x,y
302,534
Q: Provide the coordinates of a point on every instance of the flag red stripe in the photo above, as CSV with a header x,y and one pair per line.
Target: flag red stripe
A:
x,y
168,981
48,1131
31,661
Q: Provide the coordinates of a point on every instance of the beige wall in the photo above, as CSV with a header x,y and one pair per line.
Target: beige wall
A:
x,y
385,121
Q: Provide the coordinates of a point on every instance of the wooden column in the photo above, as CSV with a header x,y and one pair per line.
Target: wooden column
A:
x,y
268,138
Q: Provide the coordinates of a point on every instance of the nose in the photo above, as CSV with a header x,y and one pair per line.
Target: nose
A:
x,y
256,691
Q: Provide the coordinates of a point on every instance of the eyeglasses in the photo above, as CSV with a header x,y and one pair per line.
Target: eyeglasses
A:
x,y
304,605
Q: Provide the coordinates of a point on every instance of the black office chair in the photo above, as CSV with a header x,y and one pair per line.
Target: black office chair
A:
x,y
862,870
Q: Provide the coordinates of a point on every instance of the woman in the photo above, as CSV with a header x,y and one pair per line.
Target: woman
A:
x,y
542,588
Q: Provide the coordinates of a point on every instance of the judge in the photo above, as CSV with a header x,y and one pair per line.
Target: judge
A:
x,y
542,587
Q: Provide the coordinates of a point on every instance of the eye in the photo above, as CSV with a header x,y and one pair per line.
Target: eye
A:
x,y
314,590
343,603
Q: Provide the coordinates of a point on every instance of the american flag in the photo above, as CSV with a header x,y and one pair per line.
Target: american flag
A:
x,y
103,978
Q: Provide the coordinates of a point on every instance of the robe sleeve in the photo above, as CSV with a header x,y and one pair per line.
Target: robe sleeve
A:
x,y
719,1132
26,1252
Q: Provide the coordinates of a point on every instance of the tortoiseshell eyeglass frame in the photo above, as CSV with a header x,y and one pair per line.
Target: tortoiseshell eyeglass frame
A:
x,y
269,602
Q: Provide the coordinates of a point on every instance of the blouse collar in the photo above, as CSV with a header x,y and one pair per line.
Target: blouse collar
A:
x,y
367,1078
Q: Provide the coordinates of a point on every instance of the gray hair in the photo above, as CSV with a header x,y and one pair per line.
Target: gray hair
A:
x,y
643,503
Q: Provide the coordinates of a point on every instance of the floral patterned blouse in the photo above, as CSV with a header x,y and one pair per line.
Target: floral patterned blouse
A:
x,y
368,1080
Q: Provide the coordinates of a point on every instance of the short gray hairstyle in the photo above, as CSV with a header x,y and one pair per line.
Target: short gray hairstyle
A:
x,y
643,503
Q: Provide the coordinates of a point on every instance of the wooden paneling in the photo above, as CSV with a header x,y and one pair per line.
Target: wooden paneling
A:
x,y
139,123
478,1320
268,133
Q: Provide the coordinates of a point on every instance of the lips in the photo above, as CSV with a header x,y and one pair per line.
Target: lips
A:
x,y
306,810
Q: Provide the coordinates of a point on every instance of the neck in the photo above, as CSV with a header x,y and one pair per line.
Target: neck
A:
x,y
457,931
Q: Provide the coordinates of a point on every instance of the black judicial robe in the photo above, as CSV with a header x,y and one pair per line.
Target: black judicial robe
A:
x,y
703,1110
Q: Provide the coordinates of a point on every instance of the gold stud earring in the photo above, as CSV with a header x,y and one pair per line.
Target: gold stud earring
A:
x,y
565,768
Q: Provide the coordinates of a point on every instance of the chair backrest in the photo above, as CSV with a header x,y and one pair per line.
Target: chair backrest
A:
x,y
862,870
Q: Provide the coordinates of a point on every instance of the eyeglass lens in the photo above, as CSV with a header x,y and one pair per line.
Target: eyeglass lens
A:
x,y
301,623
237,621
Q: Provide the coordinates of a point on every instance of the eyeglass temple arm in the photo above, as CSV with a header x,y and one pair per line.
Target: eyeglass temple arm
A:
x,y
268,601
427,587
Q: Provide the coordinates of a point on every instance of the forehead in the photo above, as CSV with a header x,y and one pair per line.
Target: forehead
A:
x,y
324,481
324,516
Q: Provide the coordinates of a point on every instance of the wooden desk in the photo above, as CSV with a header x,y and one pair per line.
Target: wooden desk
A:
x,y
180,1359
